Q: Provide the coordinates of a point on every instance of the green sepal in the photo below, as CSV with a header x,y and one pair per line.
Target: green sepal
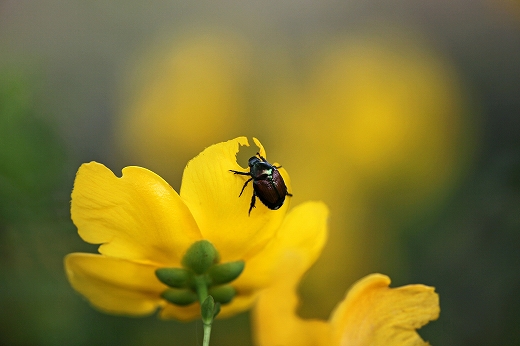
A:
x,y
222,294
207,310
217,309
224,273
174,277
180,297
200,256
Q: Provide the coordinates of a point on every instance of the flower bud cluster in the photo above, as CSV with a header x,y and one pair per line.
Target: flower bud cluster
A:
x,y
200,272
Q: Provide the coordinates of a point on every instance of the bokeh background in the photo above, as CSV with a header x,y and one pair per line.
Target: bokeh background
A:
x,y
404,117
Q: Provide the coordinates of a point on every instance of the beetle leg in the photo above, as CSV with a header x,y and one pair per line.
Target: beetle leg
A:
x,y
253,202
243,187
241,173
261,157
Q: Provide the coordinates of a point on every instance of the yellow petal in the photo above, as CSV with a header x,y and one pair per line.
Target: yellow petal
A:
x,y
181,313
138,216
242,302
115,285
211,192
274,315
280,266
374,314
302,234
304,229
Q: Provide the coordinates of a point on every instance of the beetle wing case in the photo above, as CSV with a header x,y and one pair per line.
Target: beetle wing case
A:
x,y
273,191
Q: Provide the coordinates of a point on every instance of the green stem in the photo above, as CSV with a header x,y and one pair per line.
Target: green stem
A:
x,y
202,292
201,288
207,333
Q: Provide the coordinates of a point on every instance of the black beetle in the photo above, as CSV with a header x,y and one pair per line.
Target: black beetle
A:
x,y
268,184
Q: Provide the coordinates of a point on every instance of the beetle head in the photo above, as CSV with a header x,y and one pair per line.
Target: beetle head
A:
x,y
252,161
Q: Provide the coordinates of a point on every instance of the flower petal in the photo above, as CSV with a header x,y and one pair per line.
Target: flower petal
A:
x,y
280,267
274,315
312,215
138,216
240,303
115,285
180,313
302,234
211,192
374,314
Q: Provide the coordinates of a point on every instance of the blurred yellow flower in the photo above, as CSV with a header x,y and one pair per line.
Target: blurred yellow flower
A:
x,y
370,314
143,225
390,118
183,91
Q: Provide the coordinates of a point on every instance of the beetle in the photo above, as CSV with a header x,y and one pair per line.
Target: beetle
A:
x,y
268,184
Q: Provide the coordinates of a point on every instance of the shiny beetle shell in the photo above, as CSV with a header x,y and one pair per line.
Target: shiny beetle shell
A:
x,y
268,184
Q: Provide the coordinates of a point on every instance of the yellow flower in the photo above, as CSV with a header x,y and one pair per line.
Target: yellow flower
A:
x,y
371,314
143,225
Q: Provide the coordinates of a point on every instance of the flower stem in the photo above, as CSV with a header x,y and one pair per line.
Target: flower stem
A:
x,y
201,288
207,334
207,307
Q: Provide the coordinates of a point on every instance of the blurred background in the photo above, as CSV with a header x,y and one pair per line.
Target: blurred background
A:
x,y
404,117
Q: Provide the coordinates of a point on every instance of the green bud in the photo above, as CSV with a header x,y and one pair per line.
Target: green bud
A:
x,y
224,273
173,277
222,294
200,256
207,310
180,297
